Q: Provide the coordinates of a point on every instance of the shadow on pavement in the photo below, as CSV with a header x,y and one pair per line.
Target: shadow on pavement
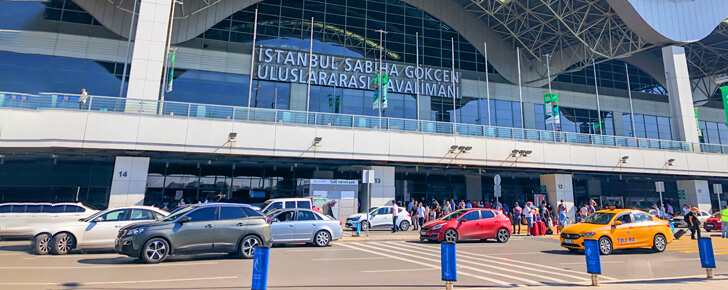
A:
x,y
123,260
16,248
566,252
716,278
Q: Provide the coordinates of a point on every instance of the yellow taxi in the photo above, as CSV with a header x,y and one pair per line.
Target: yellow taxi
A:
x,y
618,229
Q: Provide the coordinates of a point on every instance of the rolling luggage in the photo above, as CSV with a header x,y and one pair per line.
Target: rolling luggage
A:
x,y
679,234
542,228
549,231
535,230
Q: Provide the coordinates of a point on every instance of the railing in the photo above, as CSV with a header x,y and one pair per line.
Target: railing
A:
x,y
46,101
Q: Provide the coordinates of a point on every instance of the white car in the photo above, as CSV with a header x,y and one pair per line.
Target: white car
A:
x,y
278,203
17,220
98,231
680,220
379,217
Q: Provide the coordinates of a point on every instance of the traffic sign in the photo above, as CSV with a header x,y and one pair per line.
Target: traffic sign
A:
x,y
367,176
681,194
497,179
497,190
717,188
660,186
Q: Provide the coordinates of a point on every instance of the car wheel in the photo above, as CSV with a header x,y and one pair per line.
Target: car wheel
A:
x,y
503,235
155,251
322,238
451,236
605,246
41,244
62,244
573,250
247,246
659,243
364,225
404,225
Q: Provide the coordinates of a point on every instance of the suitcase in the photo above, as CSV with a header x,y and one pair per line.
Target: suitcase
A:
x,y
534,230
679,234
542,228
549,231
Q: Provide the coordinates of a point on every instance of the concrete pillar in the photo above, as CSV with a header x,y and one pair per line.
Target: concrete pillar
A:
x,y
681,98
697,194
473,187
129,183
560,187
383,190
145,77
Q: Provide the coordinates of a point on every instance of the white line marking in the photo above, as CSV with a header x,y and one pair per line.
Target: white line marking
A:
x,y
349,259
426,264
398,251
676,260
124,282
530,264
322,250
401,270
482,264
107,266
584,263
9,254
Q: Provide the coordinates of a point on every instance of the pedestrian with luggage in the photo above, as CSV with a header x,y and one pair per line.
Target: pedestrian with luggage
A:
x,y
516,220
693,223
528,212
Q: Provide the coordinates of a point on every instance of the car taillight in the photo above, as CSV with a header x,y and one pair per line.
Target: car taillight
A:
x,y
340,223
408,215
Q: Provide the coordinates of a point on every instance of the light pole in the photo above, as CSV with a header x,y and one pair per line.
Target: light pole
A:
x,y
166,54
381,54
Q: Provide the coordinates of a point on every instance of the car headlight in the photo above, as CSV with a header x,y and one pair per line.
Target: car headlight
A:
x,y
437,227
586,235
135,231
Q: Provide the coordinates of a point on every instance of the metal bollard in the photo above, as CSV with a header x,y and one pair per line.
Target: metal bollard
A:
x,y
707,259
593,261
260,268
448,263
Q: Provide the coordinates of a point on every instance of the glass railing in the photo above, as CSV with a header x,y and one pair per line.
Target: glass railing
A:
x,y
46,101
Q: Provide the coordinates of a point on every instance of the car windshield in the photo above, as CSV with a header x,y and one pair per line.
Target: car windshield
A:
x,y
266,203
454,215
599,218
178,213
371,210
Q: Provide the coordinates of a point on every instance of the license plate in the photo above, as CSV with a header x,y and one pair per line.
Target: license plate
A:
x,y
568,241
423,233
709,225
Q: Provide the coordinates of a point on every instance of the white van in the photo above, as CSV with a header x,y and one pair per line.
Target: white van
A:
x,y
17,219
289,202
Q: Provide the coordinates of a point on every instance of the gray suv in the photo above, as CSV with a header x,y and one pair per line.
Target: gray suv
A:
x,y
197,229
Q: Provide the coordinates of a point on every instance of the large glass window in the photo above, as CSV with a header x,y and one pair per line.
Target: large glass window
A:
x,y
612,74
646,126
714,133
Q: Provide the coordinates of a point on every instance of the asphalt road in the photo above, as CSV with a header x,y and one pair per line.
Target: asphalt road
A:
x,y
529,261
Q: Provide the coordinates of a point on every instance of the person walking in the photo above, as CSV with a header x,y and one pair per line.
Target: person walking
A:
x,y
670,211
693,223
411,205
421,214
413,213
516,220
563,216
724,222
82,99
395,210
447,209
685,209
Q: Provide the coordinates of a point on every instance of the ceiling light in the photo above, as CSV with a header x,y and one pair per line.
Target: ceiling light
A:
x,y
670,162
317,141
624,159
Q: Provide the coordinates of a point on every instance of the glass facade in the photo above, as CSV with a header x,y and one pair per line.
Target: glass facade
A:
x,y
646,126
577,120
612,74
714,133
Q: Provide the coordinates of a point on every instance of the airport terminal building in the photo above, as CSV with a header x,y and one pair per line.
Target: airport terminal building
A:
x,y
249,99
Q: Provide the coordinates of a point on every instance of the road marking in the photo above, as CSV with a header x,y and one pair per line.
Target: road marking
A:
x,y
677,260
349,259
603,262
109,266
122,282
322,250
530,266
9,254
401,270
418,254
480,263
499,282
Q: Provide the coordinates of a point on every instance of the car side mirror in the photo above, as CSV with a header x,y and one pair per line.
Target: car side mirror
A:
x,y
184,219
275,220
617,223
82,219
462,220
96,220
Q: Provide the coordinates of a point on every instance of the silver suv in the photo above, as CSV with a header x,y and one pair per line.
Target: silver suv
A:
x,y
197,229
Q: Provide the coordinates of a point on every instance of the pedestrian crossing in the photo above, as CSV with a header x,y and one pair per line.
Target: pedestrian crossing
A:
x,y
689,246
497,270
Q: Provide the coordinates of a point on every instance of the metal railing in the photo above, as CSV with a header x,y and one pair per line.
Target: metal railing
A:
x,y
55,101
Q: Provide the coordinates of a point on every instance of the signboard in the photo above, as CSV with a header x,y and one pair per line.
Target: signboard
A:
x,y
497,179
717,188
681,194
593,261
260,268
275,64
551,109
335,181
367,176
659,186
170,78
497,190
697,119
320,193
543,188
707,259
448,262
538,198
724,93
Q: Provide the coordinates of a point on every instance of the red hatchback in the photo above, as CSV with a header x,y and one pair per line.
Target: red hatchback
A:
x,y
468,224
713,223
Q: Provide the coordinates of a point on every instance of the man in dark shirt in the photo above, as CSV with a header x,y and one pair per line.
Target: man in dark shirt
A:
x,y
693,223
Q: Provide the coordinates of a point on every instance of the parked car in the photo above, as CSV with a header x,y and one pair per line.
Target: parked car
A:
x,y
679,221
197,229
379,217
469,224
713,223
17,220
278,203
303,225
95,232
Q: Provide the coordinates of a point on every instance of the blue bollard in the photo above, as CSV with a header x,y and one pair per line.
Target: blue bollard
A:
x,y
593,261
260,268
358,229
672,226
448,263
707,259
